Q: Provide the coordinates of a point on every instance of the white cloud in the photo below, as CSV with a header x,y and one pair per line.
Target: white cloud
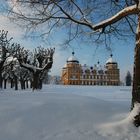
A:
x,y
60,58
17,33
7,25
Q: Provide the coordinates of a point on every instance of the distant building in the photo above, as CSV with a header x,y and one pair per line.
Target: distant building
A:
x,y
73,73
55,80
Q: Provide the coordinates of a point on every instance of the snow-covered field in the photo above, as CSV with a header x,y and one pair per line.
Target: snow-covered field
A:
x,y
67,113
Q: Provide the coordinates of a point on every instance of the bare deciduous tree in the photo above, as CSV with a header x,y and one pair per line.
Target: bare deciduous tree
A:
x,y
5,51
42,61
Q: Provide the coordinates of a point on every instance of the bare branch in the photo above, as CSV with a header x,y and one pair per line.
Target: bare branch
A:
x,y
125,12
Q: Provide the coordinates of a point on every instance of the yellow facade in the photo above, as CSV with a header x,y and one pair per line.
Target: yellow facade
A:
x,y
74,73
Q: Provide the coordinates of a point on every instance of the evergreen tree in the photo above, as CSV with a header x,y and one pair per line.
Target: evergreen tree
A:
x,y
128,79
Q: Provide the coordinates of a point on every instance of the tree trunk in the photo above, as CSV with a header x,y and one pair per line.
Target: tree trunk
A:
x,y
40,84
31,83
1,80
24,84
21,83
12,83
136,75
35,84
16,82
27,86
5,82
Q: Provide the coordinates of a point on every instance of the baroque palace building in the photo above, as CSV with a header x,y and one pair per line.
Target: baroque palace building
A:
x,y
73,73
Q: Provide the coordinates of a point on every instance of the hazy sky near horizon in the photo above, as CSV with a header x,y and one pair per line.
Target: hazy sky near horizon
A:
x,y
123,51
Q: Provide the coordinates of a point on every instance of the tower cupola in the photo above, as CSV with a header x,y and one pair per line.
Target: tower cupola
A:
x,y
72,59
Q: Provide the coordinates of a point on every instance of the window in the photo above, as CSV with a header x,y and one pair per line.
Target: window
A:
x,y
84,76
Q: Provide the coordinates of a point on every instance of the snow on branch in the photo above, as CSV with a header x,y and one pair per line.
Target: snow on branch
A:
x,y
40,60
123,13
130,10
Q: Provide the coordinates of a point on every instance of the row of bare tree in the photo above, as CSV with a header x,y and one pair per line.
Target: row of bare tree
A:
x,y
18,64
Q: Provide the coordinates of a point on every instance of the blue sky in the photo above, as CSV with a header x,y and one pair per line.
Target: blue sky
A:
x,y
122,50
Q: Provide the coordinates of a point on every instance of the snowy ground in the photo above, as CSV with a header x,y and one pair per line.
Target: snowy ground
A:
x,y
67,113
